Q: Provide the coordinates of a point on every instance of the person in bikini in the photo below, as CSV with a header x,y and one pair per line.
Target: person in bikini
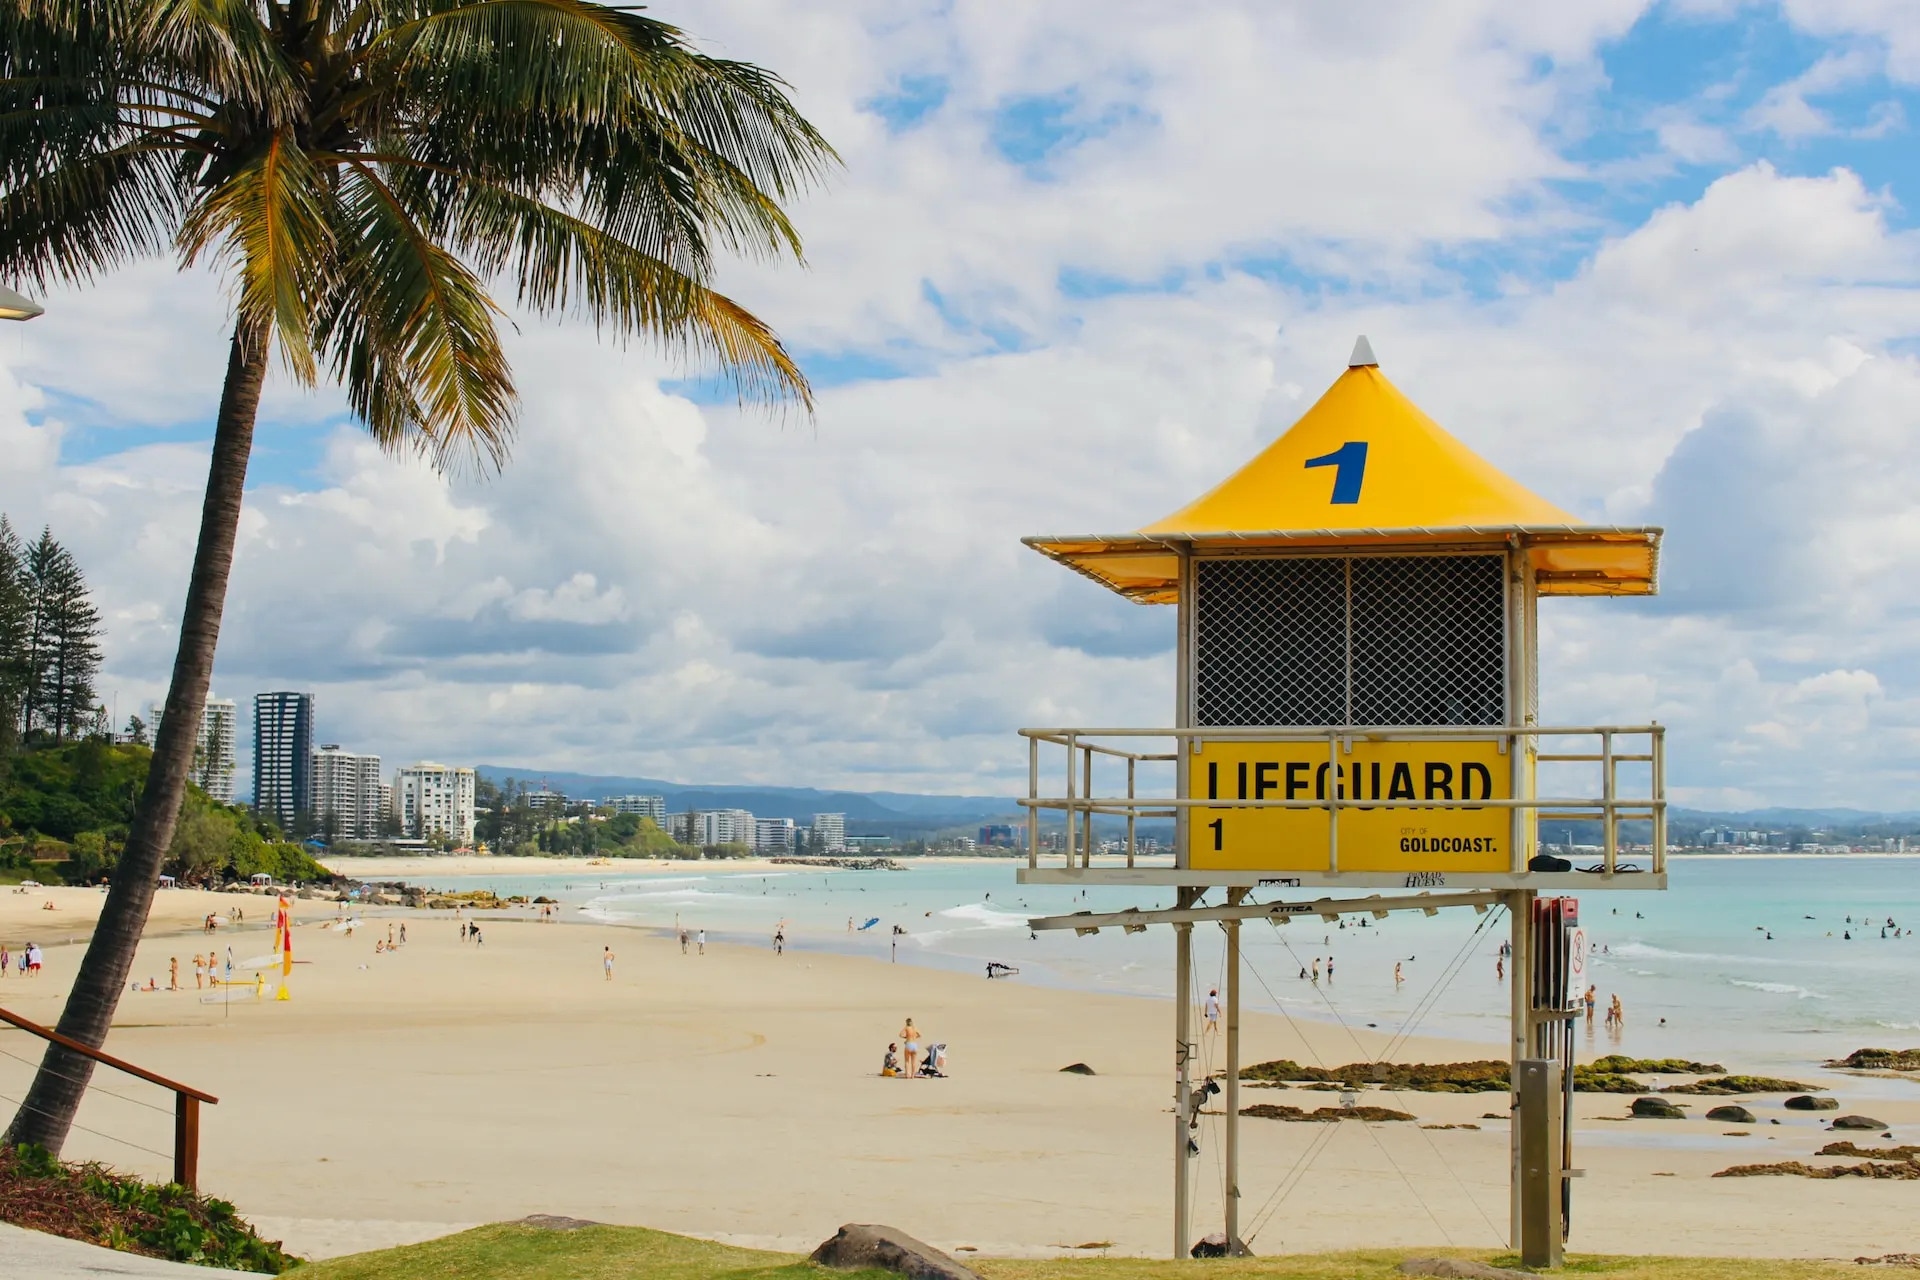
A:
x,y
910,1048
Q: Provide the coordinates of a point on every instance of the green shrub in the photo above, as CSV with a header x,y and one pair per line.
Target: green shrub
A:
x,y
90,1202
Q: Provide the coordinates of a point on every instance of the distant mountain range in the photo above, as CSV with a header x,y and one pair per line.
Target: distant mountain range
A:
x,y
798,803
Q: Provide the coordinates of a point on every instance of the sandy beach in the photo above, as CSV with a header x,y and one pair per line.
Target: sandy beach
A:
x,y
736,1095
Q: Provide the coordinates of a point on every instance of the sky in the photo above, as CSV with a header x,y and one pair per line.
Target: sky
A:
x,y
1658,261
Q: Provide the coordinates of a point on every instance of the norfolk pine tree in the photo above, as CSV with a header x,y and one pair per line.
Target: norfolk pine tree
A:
x,y
362,169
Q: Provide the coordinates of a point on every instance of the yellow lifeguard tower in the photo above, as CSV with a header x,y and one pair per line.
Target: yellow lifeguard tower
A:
x,y
1357,708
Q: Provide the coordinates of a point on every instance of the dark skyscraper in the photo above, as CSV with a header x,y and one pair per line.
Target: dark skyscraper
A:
x,y
282,755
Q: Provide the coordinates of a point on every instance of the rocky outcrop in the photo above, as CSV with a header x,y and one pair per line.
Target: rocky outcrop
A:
x,y
870,1247
1808,1102
1460,1269
1879,1060
1870,1153
1798,1169
1859,1122
1078,1069
1657,1109
1733,1115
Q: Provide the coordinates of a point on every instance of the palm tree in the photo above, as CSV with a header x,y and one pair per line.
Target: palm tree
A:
x,y
363,169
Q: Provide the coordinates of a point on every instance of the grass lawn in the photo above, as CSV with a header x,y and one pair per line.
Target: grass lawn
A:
x,y
508,1251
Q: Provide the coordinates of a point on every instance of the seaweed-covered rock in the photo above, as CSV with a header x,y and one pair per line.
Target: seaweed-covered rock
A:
x,y
1880,1060
1739,1084
1809,1102
1276,1111
1657,1109
1733,1115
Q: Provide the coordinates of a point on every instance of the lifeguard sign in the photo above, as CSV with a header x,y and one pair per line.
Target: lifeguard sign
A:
x,y
1357,689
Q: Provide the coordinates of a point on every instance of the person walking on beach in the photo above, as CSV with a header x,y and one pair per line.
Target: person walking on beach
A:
x,y
1500,968
1589,1003
702,940
910,1048
473,931
173,973
606,962
1212,1009
403,933
1329,968
199,971
1397,979
779,940
683,941
1316,968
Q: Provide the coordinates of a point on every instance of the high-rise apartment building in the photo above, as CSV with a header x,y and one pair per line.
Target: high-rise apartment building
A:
x,y
714,826
773,835
434,799
349,798
832,830
654,807
213,767
282,755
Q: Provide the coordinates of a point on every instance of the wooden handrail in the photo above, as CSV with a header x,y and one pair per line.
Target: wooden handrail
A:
x,y
186,1098
85,1051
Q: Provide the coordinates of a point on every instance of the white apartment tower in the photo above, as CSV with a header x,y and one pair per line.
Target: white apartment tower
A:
x,y
773,835
654,807
433,798
832,830
213,768
349,797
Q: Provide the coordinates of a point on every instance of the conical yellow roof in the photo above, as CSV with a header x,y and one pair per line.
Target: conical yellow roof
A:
x,y
1364,467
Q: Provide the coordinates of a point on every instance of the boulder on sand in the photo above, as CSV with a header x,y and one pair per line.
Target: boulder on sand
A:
x,y
1857,1122
1733,1115
1460,1269
1077,1069
1807,1102
868,1246
1657,1109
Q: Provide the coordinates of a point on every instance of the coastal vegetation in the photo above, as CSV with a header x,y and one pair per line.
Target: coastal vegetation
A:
x,y
65,810
49,644
91,1202
510,1251
602,165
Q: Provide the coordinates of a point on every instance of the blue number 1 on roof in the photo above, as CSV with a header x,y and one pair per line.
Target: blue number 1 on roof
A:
x,y
1350,468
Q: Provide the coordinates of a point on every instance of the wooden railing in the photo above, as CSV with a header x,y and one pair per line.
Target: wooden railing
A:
x,y
186,1099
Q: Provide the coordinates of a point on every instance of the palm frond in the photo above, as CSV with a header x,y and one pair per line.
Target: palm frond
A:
x,y
87,216
412,334
270,218
561,260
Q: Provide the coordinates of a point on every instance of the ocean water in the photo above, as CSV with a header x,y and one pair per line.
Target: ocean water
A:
x,y
1767,964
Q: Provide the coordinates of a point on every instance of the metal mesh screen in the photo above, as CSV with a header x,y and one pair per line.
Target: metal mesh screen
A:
x,y
1429,640
1270,642
1414,640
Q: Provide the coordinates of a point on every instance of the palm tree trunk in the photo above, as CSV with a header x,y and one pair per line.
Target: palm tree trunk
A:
x,y
48,1111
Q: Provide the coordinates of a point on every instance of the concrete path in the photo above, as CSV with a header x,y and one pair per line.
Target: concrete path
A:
x,y
38,1256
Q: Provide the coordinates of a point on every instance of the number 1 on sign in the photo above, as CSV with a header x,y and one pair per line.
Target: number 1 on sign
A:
x,y
1349,462
1219,827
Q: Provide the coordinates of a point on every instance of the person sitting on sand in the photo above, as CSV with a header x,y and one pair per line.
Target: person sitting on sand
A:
x,y
910,1036
890,1066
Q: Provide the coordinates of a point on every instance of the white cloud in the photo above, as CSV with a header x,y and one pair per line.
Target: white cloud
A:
x,y
658,587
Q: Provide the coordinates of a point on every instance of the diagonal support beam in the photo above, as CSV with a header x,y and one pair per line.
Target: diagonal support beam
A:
x,y
1326,908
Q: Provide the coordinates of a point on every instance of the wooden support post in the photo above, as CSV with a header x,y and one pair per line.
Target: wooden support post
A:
x,y
1183,1080
1234,1247
186,1141
1520,990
